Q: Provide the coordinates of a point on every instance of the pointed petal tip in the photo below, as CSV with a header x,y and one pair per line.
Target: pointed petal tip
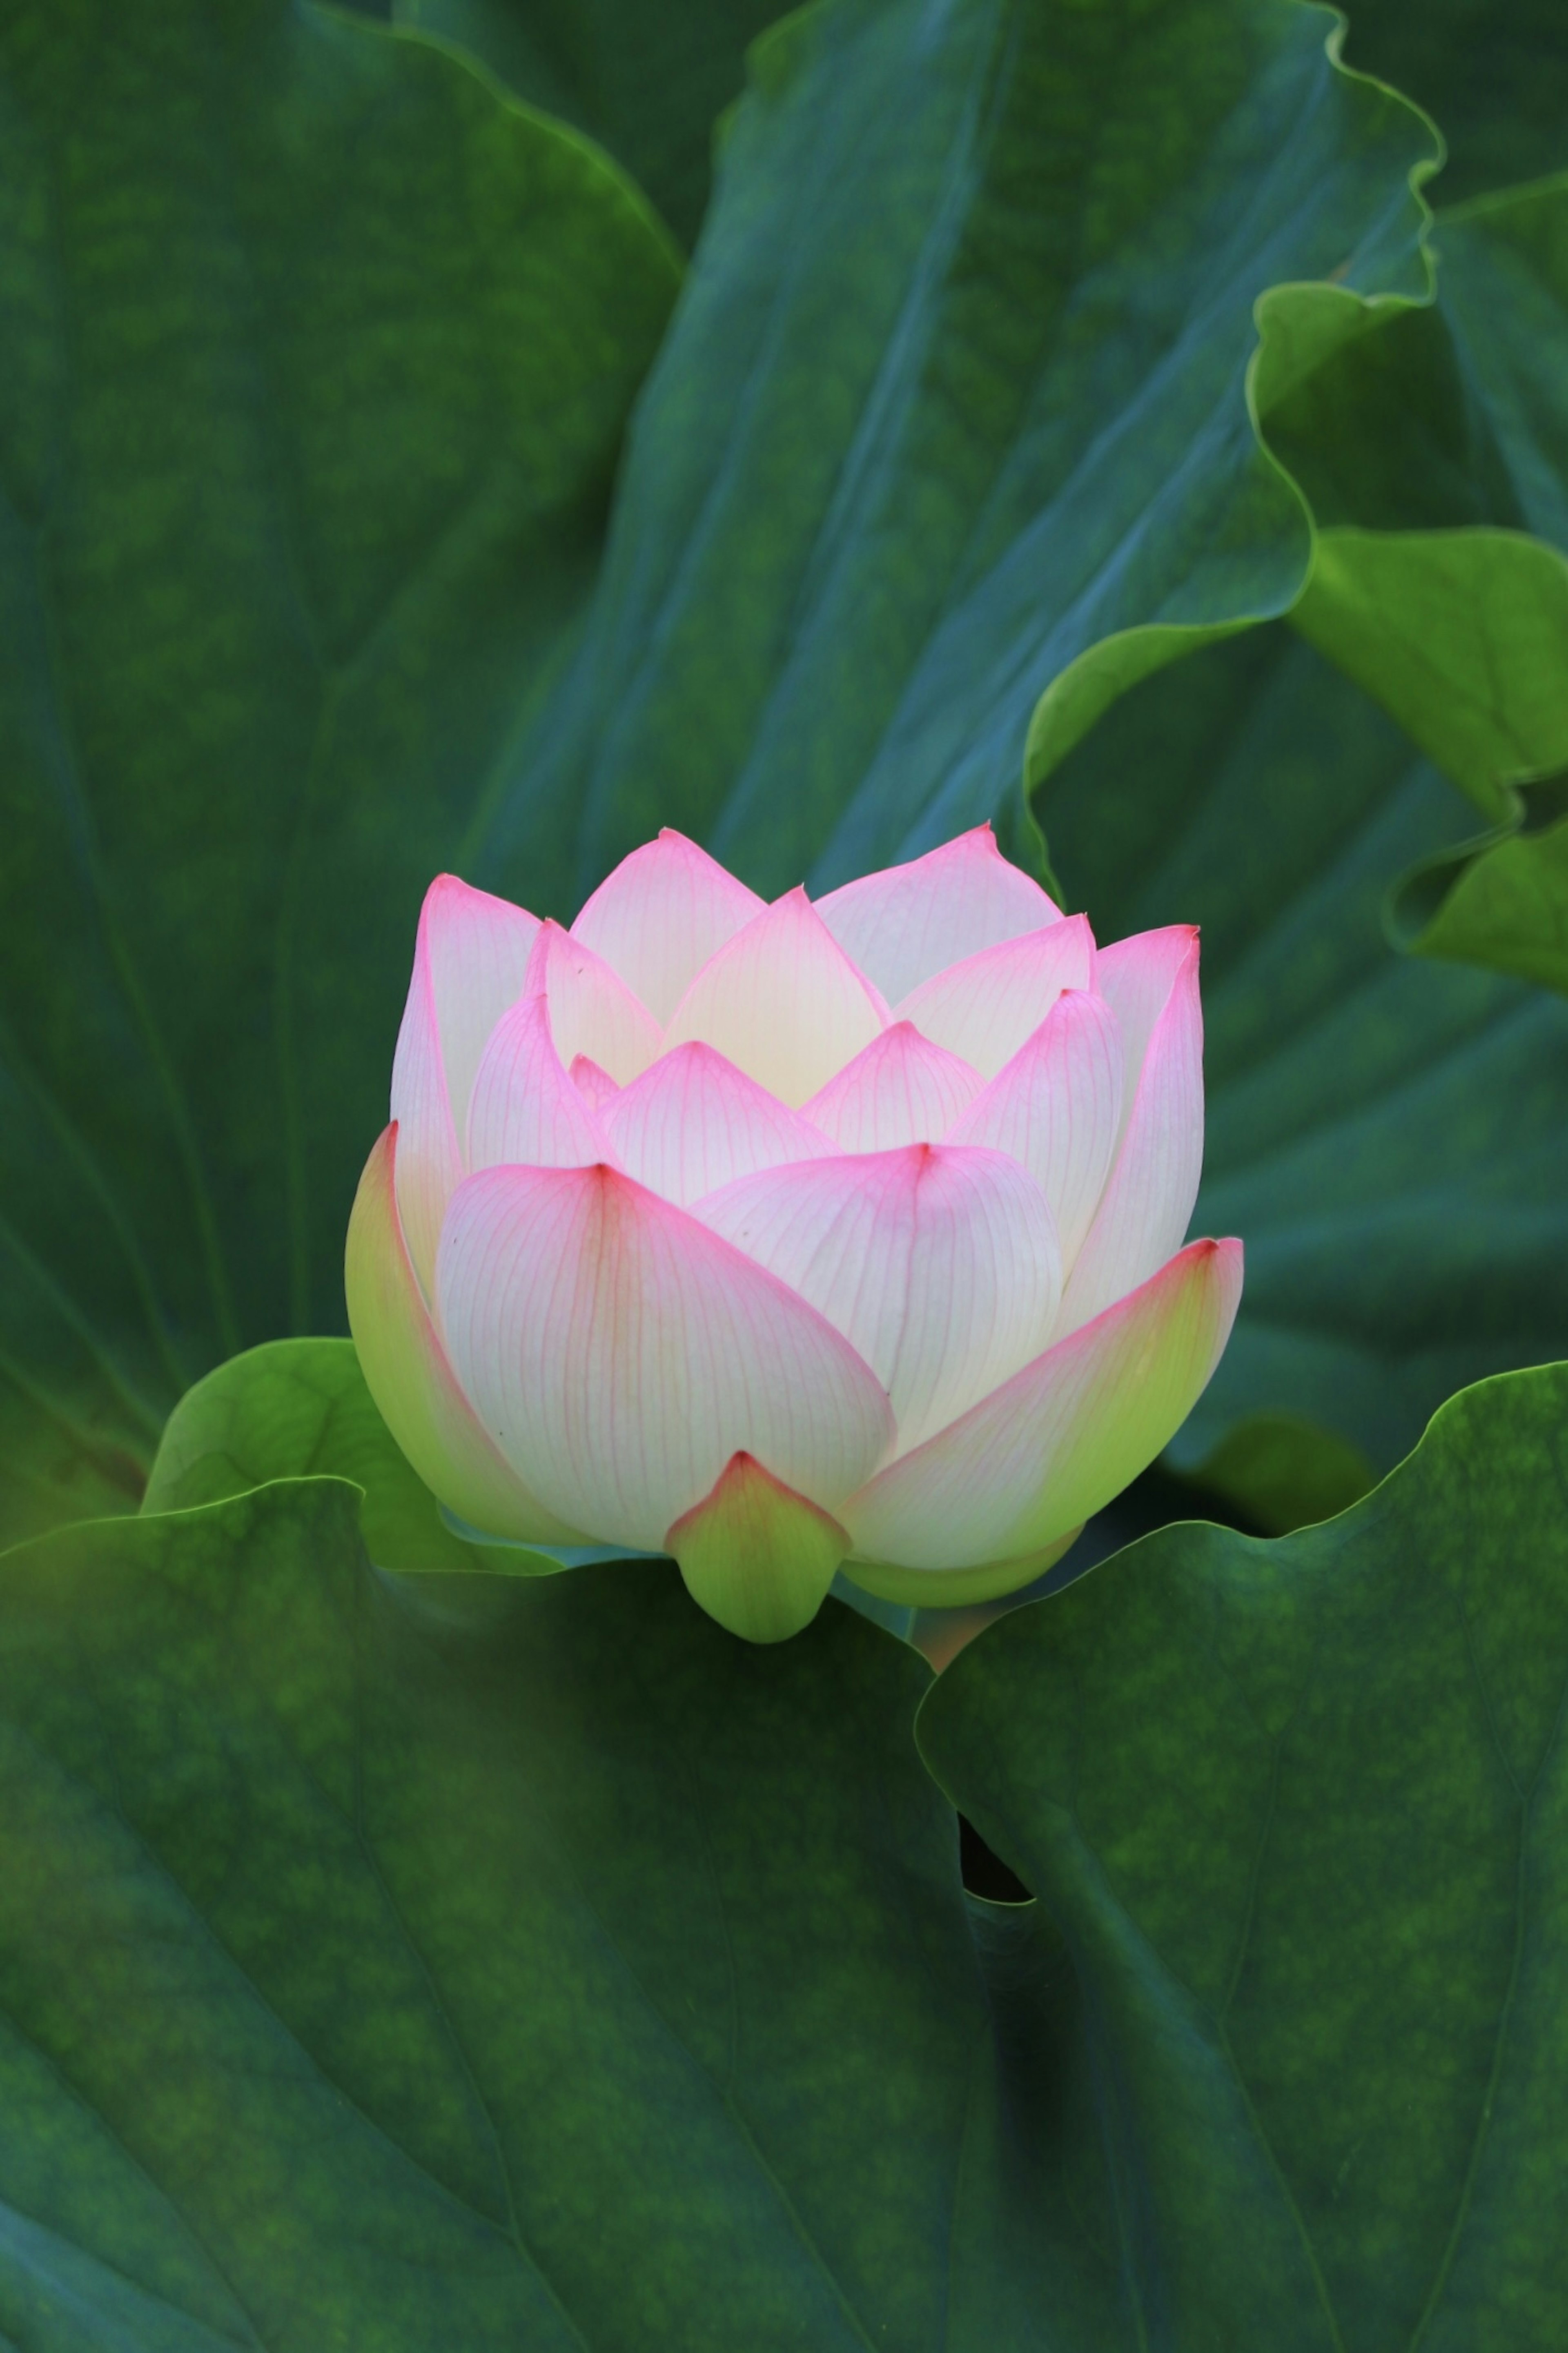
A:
x,y
756,1554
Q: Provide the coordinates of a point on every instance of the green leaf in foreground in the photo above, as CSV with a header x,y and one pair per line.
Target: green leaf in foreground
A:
x,y
957,390
1501,901
319,354
507,1966
647,79
1300,1811
1387,1137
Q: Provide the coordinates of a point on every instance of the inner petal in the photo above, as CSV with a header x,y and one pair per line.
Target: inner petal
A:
x,y
592,1011
693,1122
901,1090
782,1002
984,1009
940,1267
660,915
909,922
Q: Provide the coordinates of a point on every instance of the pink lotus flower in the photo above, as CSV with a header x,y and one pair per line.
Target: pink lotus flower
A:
x,y
777,1237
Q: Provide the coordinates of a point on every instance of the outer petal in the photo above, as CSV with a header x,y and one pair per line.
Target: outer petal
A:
x,y
757,1556
693,1122
409,1375
1056,1107
985,1007
1058,1441
782,1001
620,1354
901,1090
1134,976
660,915
1148,1201
939,1267
592,1011
524,1108
908,922
471,959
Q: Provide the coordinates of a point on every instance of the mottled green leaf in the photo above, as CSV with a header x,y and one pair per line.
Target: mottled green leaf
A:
x,y
318,356
1300,1813
647,79
495,1965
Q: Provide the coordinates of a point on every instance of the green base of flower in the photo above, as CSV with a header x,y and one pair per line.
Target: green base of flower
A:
x,y
952,1588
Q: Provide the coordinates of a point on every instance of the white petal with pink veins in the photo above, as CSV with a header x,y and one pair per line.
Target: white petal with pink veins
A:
x,y
693,1122
1147,1200
470,961
1056,1107
782,1002
625,1353
592,1011
1134,976
908,922
1056,1442
901,1090
984,1009
940,1267
525,1109
595,1086
660,915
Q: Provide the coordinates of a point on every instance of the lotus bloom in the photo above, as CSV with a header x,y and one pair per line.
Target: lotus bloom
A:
x,y
785,1237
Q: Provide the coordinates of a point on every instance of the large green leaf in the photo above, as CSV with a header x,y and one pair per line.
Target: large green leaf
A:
x,y
1388,1138
530,1967
318,355
647,77
1300,1813
957,390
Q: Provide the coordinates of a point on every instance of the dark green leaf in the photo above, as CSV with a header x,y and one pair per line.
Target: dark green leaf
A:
x,y
1388,1138
1300,1810
318,359
955,392
1501,901
649,79
532,1966
1494,72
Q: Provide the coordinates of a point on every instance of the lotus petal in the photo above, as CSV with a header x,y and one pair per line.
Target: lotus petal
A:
x,y
660,915
592,1011
782,1002
693,1122
620,1354
984,1009
901,1090
1056,1107
524,1108
908,922
757,1556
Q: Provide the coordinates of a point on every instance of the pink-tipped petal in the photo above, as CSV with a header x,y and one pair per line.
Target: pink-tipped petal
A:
x,y
660,915
693,1122
1134,976
984,1009
410,1378
1148,1196
782,1002
909,922
620,1354
901,1090
939,1267
525,1109
1058,1441
1056,1107
592,1011
595,1086
471,961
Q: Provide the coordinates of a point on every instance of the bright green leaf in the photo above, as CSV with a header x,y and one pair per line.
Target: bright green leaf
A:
x,y
318,356
299,1409
1299,1811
